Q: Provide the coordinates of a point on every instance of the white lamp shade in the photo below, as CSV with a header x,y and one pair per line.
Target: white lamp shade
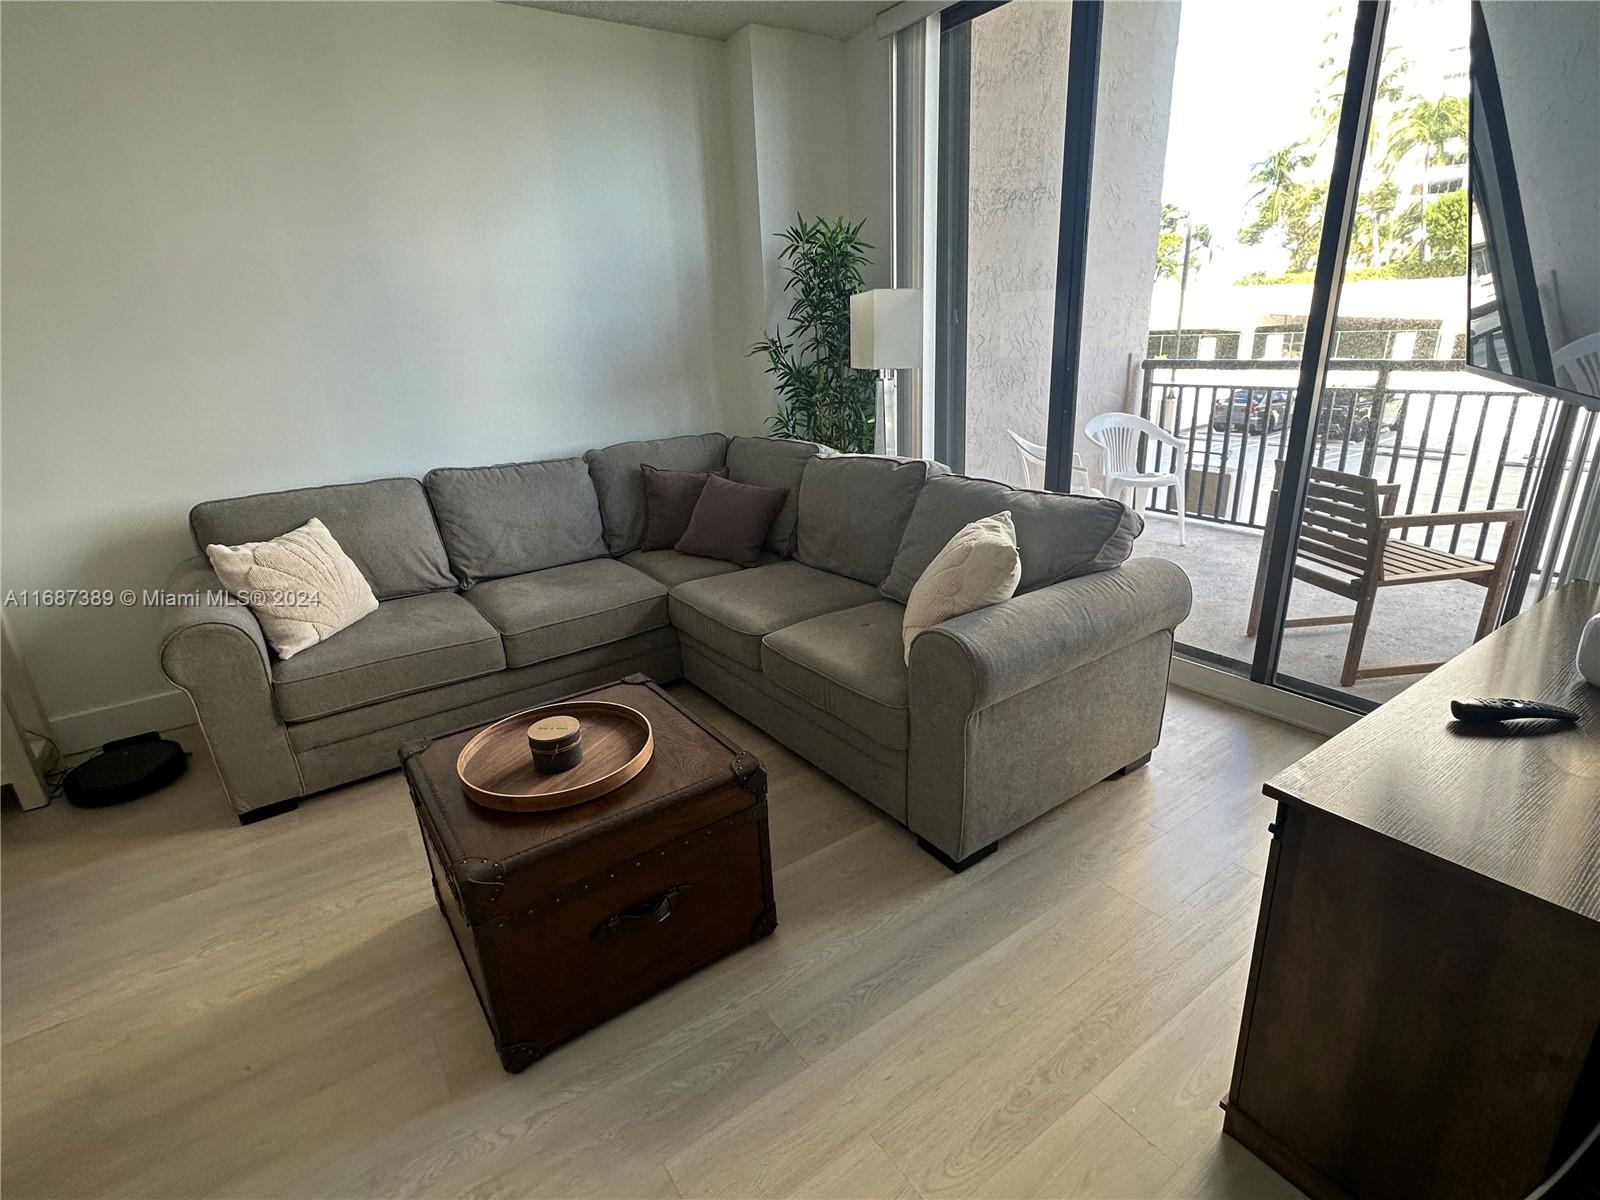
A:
x,y
886,329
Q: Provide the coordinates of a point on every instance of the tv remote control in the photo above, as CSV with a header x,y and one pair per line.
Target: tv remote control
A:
x,y
1482,710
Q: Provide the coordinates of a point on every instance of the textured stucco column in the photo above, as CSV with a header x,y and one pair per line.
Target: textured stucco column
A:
x,y
1018,101
1016,119
1138,53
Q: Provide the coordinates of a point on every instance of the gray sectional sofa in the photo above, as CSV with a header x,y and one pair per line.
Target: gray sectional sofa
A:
x,y
501,587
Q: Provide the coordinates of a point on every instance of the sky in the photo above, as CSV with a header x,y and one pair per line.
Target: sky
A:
x,y
1247,76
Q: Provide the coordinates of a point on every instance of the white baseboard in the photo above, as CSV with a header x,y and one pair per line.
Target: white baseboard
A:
x,y
1259,698
94,727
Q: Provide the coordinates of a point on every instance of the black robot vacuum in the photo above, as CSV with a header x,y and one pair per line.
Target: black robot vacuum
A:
x,y
125,770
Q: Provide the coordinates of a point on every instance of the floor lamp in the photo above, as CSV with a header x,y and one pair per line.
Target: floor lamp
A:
x,y
886,336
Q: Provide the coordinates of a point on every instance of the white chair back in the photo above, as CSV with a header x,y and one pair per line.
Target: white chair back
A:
x,y
1580,360
1119,437
1118,434
1032,455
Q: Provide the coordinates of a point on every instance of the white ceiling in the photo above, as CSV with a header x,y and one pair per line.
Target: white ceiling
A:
x,y
720,18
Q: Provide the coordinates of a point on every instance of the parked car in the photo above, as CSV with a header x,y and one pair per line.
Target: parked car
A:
x,y
1367,419
1255,409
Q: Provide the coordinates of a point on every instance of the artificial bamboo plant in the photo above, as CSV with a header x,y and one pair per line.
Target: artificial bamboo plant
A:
x,y
820,397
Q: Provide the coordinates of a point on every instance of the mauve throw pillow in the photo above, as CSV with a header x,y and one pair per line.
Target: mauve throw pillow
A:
x,y
669,500
731,521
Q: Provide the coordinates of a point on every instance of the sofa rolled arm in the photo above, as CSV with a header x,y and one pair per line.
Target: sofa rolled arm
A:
x,y
994,653
212,647
1018,707
201,600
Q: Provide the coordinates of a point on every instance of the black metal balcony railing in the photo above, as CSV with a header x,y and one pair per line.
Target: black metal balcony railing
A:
x,y
1451,449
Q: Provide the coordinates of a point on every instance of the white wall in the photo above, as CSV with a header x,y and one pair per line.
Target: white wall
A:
x,y
811,120
743,374
255,246
869,71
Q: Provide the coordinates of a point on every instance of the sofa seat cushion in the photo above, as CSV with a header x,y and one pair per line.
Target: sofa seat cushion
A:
x,y
732,613
406,645
671,568
849,664
561,610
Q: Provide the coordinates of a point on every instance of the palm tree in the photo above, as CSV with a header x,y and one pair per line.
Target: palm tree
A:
x,y
1378,204
1274,197
1432,125
1176,253
1391,87
1178,242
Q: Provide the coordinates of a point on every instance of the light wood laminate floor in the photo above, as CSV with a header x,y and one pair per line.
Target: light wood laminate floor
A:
x,y
195,1009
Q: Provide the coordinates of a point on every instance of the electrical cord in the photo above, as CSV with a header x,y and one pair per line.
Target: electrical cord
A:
x,y
54,776
1565,1168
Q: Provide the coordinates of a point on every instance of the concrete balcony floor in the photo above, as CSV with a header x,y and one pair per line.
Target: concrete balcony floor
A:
x,y
1425,622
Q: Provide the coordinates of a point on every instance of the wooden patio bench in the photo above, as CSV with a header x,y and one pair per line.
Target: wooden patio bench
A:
x,y
1345,547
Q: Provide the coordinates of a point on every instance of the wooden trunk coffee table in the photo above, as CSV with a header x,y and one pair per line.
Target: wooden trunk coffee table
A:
x,y
566,918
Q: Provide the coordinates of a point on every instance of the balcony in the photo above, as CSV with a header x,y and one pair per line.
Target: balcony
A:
x,y
1447,443
1424,623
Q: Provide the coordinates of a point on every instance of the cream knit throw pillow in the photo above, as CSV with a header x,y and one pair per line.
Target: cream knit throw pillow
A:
x,y
978,567
301,586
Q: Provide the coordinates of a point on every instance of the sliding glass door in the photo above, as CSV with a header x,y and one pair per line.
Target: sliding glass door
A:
x,y
1230,243
1421,474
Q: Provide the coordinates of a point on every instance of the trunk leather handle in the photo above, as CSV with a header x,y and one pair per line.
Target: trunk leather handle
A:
x,y
640,916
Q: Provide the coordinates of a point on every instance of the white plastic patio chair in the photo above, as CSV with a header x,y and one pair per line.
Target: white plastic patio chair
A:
x,y
1117,435
1032,455
1580,361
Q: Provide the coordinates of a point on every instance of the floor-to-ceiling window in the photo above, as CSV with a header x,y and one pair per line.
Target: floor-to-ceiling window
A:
x,y
1291,194
1228,321
1228,285
1402,428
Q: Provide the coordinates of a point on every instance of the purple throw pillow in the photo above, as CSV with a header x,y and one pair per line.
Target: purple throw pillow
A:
x,y
731,520
669,500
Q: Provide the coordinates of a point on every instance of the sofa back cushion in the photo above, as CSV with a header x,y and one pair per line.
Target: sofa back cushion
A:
x,y
515,517
853,510
774,463
385,526
620,487
1059,537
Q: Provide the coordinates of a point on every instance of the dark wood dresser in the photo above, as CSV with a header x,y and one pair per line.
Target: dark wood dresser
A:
x,y
1423,1010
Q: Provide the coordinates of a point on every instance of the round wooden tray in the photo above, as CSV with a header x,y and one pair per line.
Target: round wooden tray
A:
x,y
496,767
